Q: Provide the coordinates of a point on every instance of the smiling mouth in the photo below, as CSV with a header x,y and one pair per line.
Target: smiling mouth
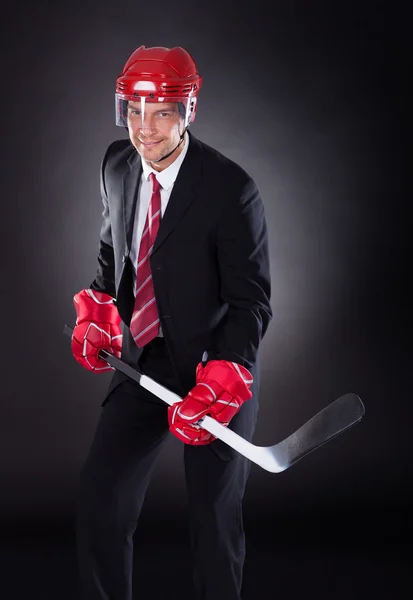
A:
x,y
149,144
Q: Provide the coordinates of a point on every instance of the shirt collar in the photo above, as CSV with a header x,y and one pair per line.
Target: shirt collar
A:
x,y
167,177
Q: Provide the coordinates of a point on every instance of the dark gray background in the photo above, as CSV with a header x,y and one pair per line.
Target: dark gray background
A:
x,y
311,99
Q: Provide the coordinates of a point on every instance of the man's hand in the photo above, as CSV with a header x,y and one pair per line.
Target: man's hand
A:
x,y
221,389
97,328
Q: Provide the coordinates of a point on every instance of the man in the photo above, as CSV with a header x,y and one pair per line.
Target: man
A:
x,y
182,293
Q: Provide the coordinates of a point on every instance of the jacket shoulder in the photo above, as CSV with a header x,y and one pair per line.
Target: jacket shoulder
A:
x,y
117,153
223,166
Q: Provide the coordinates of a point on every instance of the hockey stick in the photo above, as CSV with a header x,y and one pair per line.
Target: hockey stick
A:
x,y
332,420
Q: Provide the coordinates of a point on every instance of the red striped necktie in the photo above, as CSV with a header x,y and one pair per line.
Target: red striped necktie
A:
x,y
144,324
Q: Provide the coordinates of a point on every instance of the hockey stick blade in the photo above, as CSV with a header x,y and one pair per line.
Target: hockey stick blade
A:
x,y
327,424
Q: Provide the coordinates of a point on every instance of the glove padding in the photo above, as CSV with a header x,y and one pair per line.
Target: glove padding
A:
x,y
97,328
221,389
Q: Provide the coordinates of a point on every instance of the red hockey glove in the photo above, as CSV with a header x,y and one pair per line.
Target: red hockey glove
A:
x,y
221,389
97,328
193,434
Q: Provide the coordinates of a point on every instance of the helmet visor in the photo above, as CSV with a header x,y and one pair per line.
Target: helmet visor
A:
x,y
151,113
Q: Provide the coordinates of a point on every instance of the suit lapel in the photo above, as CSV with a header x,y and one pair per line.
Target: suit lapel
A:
x,y
183,192
130,188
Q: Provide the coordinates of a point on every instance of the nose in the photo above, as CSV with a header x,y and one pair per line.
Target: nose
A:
x,y
145,131
147,125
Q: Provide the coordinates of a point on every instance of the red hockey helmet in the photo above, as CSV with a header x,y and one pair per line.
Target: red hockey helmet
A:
x,y
158,75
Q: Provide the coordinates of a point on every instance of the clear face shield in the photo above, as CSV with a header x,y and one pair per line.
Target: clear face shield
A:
x,y
154,113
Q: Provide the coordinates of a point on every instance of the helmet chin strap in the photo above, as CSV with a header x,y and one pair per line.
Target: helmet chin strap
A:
x,y
181,139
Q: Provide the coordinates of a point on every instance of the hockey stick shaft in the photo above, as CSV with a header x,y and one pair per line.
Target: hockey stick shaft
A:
x,y
334,419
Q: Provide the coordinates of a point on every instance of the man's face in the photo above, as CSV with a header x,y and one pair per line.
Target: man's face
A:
x,y
157,133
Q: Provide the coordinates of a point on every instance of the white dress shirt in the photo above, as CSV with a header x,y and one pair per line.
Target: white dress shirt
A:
x,y
167,179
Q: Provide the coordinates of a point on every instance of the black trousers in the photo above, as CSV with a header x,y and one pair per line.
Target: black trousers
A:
x,y
131,430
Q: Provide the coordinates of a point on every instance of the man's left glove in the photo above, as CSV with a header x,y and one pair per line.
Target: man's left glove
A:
x,y
221,389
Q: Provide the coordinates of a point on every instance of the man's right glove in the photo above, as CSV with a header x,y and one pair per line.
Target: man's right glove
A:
x,y
97,328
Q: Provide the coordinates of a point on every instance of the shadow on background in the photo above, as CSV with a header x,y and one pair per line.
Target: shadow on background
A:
x,y
326,554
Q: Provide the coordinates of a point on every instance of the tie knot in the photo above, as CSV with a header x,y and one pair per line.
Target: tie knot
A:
x,y
156,186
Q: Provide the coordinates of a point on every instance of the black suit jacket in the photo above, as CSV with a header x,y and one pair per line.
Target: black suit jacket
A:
x,y
210,261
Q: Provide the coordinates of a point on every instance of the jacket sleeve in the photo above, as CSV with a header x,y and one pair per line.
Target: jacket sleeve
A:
x,y
243,262
105,275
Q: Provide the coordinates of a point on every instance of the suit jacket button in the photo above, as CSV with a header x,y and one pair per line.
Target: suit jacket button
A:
x,y
124,257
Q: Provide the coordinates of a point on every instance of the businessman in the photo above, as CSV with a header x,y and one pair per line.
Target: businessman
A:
x,y
181,293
